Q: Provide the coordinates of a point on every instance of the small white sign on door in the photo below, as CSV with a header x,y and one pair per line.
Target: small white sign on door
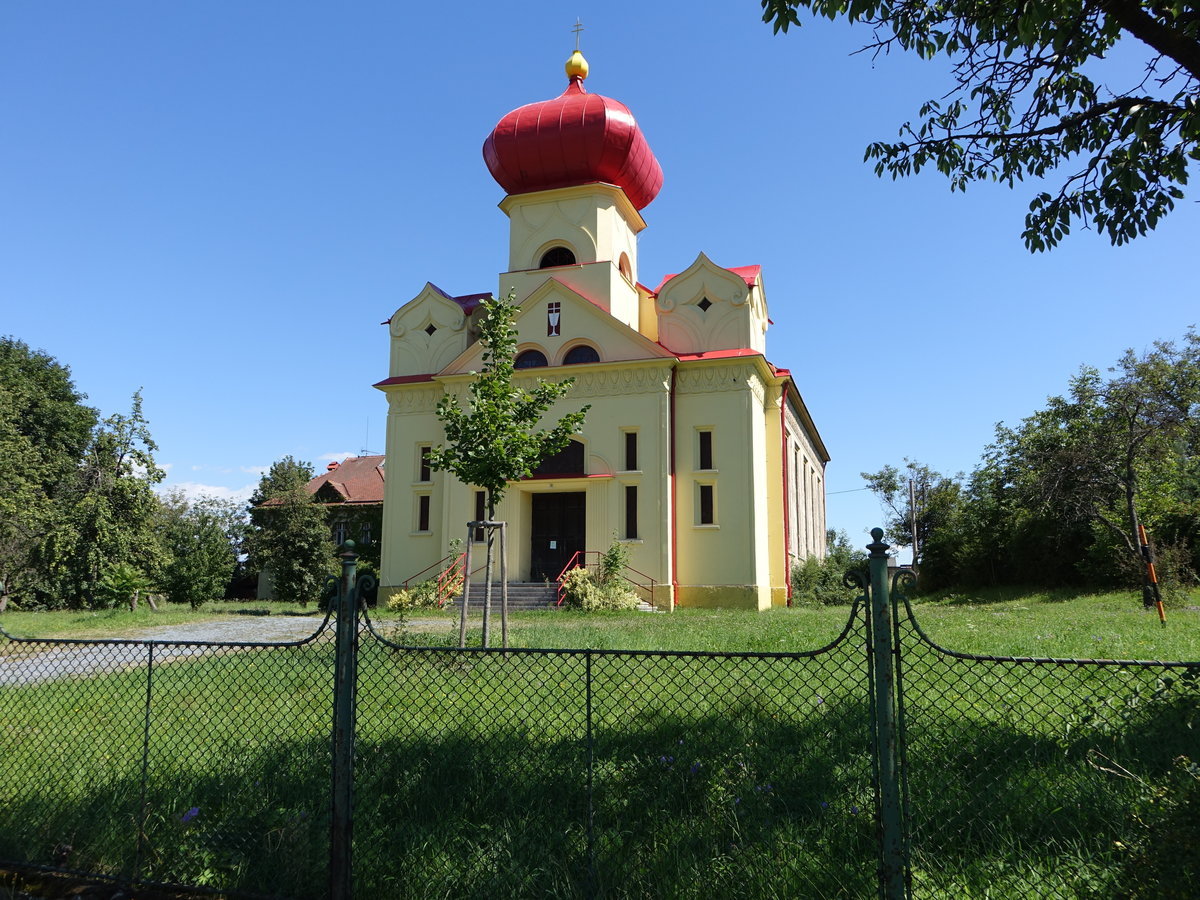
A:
x,y
554,545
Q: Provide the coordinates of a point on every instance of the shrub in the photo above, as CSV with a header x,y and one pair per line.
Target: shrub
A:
x,y
818,582
120,582
606,589
428,594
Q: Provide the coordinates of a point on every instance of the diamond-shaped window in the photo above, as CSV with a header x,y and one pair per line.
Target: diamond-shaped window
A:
x,y
430,329
704,304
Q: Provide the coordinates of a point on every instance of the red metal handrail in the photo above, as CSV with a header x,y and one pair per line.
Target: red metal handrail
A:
x,y
446,579
571,564
417,577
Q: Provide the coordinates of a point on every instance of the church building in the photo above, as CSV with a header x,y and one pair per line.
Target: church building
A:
x,y
698,453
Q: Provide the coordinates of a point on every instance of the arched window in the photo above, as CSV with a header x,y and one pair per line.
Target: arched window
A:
x,y
625,269
530,359
567,461
557,256
583,353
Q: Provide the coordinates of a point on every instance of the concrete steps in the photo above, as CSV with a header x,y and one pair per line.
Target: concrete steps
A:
x,y
522,595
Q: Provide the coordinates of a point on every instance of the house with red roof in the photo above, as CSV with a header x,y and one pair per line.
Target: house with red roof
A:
x,y
353,491
698,452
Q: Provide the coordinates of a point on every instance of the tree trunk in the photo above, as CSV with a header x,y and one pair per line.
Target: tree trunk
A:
x,y
1135,531
133,598
150,600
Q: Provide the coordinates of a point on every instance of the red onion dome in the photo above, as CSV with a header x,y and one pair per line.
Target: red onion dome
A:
x,y
576,138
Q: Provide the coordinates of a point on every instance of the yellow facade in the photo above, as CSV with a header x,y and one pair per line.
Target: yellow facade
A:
x,y
690,426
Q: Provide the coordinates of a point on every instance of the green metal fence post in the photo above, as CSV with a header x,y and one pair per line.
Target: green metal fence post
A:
x,y
892,883
345,685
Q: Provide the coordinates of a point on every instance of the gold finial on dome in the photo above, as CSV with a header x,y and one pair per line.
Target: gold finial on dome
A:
x,y
577,66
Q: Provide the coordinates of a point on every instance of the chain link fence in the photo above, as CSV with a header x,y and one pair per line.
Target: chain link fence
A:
x,y
1049,777
588,773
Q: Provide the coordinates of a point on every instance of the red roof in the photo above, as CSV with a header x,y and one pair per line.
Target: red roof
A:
x,y
719,354
358,479
576,138
403,379
748,274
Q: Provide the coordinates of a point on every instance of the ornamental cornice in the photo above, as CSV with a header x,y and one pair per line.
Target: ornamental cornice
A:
x,y
415,399
613,381
707,379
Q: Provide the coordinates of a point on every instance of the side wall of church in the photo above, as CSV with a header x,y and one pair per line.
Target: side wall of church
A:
x,y
806,492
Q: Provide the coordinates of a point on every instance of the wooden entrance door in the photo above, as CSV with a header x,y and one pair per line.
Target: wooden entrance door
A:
x,y
557,533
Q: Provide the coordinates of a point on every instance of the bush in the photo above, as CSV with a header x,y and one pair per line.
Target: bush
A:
x,y
426,594
121,581
606,589
818,582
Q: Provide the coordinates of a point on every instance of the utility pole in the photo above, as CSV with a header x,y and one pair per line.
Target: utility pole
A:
x,y
912,519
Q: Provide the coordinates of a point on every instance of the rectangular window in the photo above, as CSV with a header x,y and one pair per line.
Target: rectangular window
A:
x,y
631,460
425,473
631,523
339,533
706,450
364,533
480,514
423,512
707,515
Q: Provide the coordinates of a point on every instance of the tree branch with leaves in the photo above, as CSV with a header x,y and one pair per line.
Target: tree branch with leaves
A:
x,y
1026,99
496,438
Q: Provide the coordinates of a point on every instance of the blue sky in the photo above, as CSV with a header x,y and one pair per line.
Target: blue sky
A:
x,y
219,203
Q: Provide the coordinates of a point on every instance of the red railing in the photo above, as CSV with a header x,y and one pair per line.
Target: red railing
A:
x,y
445,578
579,561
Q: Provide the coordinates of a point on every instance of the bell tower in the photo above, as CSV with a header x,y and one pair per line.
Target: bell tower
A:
x,y
578,171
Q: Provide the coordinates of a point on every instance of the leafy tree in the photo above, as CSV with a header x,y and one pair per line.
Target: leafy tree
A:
x,y
1114,450
201,538
44,429
111,509
290,536
498,439
284,474
495,441
1035,89
931,504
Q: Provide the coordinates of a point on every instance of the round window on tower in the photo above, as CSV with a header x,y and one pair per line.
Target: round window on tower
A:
x,y
557,256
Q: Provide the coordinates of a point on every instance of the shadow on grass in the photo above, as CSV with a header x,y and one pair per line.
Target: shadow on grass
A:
x,y
485,775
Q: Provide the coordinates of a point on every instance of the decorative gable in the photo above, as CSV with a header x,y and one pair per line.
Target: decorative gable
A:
x,y
707,307
560,323
429,331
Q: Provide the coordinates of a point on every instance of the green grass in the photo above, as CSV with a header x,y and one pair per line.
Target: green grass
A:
x,y
1109,626
1060,624
710,776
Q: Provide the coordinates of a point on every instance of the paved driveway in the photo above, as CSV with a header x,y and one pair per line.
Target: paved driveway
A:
x,y
39,661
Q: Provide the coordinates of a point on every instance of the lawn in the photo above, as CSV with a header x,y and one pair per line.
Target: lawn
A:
x,y
998,622
632,774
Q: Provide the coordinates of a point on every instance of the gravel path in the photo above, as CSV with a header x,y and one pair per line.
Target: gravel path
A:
x,y
36,661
